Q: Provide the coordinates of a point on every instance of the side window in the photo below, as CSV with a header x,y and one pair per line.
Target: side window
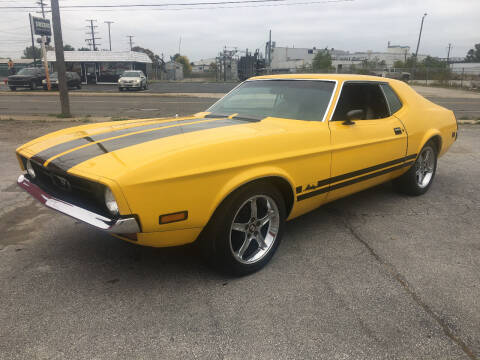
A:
x,y
367,97
392,98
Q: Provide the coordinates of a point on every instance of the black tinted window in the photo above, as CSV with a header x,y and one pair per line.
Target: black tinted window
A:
x,y
392,98
361,96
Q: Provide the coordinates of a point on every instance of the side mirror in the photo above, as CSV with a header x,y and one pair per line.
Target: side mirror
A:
x,y
356,114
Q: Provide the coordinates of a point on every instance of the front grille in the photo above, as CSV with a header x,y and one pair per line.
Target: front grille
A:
x,y
72,189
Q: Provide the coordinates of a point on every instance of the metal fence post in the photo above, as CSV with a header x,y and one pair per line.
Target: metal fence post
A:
x,y
461,79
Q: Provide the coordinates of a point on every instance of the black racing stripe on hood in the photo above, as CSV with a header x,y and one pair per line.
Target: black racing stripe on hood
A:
x,y
46,154
76,157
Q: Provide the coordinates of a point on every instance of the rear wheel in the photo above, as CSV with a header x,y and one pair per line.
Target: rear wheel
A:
x,y
33,85
418,179
246,230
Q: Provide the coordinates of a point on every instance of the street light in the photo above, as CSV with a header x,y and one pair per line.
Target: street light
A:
x,y
420,35
418,45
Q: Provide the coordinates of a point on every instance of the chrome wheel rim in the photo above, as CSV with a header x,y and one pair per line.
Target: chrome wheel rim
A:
x,y
424,167
254,229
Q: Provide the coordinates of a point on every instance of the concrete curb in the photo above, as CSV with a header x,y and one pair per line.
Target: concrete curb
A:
x,y
112,94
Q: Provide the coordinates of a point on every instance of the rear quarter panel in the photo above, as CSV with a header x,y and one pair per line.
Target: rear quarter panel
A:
x,y
423,119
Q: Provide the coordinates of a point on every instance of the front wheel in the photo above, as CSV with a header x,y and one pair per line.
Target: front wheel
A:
x,y
418,179
246,229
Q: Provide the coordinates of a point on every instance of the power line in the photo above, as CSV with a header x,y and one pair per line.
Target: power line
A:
x,y
173,4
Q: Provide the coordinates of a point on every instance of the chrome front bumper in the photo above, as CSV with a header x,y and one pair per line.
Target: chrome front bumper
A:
x,y
118,226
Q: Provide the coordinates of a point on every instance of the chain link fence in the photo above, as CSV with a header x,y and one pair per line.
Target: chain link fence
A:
x,y
457,77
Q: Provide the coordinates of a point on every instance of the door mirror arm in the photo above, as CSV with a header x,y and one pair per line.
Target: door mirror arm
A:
x,y
356,114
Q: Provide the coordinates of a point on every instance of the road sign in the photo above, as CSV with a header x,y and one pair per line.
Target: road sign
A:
x,y
41,26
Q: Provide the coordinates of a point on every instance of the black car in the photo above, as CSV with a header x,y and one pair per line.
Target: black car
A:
x,y
26,78
73,80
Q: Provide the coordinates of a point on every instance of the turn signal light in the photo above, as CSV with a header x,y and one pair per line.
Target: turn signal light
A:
x,y
174,217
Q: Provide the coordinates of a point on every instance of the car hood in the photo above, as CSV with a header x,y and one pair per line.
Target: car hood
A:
x,y
167,146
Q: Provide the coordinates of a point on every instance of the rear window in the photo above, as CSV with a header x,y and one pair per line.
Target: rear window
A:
x,y
393,101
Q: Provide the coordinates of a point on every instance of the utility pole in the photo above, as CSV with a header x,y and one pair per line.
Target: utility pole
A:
x,y
44,49
448,54
418,43
60,59
179,45
33,42
109,36
92,41
131,43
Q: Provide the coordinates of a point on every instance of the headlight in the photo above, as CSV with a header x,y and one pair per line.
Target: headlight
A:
x,y
30,170
110,202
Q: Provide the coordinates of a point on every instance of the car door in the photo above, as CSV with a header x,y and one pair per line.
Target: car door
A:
x,y
371,148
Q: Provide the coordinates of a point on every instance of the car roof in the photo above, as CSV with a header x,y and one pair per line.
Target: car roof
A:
x,y
337,77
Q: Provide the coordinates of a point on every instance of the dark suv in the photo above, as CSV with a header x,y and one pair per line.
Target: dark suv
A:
x,y
26,78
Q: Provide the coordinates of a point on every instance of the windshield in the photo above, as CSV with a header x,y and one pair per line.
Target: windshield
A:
x,y
54,75
26,71
290,99
131,74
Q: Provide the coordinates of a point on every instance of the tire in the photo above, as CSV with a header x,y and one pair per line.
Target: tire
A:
x,y
13,88
33,86
120,89
79,86
146,86
234,237
418,179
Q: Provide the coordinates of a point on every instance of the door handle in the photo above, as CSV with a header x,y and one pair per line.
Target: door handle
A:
x,y
397,130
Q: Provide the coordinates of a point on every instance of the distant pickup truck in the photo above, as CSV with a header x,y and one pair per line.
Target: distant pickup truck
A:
x,y
393,74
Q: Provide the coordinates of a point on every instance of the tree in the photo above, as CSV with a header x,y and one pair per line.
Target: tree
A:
x,y
213,67
187,68
67,47
322,61
473,55
83,48
156,60
32,53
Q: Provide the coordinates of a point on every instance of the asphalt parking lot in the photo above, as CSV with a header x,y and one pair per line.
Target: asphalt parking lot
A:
x,y
376,275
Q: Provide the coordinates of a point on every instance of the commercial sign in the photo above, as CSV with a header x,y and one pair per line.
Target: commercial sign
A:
x,y
41,26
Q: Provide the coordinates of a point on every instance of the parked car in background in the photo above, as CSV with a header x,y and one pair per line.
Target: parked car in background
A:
x,y
393,74
132,79
274,148
73,81
26,78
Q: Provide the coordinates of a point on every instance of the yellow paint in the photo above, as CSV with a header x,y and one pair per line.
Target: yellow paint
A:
x,y
196,171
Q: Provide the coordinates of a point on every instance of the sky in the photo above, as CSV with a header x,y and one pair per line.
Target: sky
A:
x,y
357,25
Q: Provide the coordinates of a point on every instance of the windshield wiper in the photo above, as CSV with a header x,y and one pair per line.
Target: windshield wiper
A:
x,y
248,118
217,116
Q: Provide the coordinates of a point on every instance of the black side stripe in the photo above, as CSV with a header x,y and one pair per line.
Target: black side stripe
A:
x,y
366,170
76,157
46,154
353,181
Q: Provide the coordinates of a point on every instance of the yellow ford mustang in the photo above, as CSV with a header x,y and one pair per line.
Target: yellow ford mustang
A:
x,y
272,149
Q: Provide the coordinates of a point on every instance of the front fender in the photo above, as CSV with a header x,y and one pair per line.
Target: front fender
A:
x,y
245,177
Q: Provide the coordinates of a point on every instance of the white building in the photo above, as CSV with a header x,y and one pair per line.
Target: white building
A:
x,y
293,59
202,65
